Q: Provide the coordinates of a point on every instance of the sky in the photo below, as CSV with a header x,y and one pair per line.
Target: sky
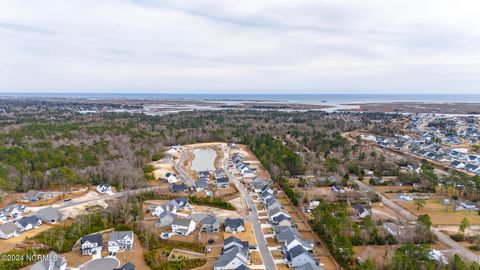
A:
x,y
247,46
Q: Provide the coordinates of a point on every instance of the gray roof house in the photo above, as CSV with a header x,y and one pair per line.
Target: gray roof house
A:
x,y
49,215
231,260
235,255
201,185
210,224
28,223
180,188
219,173
119,241
91,244
222,182
234,225
180,202
52,262
233,241
9,230
165,219
271,203
298,256
35,195
13,210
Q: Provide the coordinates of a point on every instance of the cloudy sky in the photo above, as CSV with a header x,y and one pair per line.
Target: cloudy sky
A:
x,y
281,46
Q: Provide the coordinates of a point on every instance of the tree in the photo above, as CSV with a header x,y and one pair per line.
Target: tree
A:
x,y
424,220
419,203
464,224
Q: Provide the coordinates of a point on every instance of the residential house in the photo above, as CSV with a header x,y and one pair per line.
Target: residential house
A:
x,y
165,219
210,224
272,203
9,230
52,262
28,223
204,174
220,173
91,244
465,206
233,225
104,189
222,182
337,189
201,185
282,220
458,164
13,210
235,255
276,212
291,238
173,149
183,226
49,215
168,207
362,211
471,167
35,195
298,256
171,178
120,241
180,203
179,188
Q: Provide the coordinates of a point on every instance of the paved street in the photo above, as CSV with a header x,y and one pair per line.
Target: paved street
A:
x,y
178,167
253,218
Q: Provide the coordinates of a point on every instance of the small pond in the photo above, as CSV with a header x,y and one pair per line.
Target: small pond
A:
x,y
204,160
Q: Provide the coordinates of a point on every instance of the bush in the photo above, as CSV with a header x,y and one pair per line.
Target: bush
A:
x,y
458,237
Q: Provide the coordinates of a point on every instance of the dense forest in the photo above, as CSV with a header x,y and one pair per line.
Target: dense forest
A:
x,y
55,149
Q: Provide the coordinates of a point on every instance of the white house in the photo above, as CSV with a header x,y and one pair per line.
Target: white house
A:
x,y
167,207
104,189
120,241
183,226
173,149
171,178
91,244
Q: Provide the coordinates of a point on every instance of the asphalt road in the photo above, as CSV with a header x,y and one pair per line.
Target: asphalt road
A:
x,y
253,218
180,170
459,249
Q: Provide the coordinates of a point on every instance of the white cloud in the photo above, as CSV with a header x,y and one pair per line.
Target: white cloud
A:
x,y
275,45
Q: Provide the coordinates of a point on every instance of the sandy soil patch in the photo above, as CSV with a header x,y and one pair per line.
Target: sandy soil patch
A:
x,y
277,254
256,258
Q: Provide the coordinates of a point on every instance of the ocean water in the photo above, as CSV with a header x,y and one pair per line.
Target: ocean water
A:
x,y
294,98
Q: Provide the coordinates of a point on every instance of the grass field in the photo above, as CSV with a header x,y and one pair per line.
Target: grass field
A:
x,y
439,216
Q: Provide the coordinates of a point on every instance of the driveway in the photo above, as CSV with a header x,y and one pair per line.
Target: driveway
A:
x,y
106,263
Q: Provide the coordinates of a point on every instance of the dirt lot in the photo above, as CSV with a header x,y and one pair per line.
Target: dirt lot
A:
x,y
247,235
315,193
256,259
